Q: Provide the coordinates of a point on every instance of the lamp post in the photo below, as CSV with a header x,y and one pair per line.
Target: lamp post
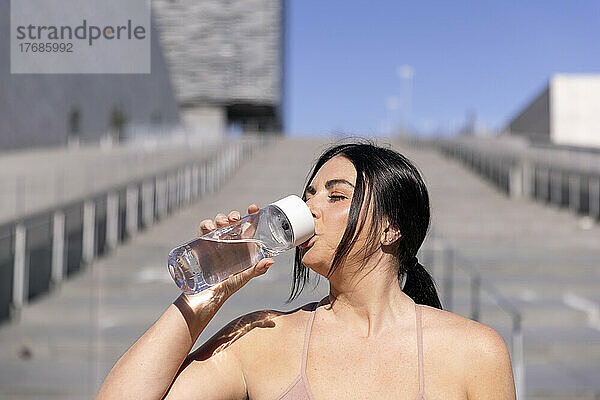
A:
x,y
406,74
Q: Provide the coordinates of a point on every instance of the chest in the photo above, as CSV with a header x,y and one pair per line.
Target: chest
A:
x,y
341,369
363,369
338,368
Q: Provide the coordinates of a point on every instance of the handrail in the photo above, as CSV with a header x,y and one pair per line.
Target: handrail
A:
x,y
453,258
563,177
146,197
511,174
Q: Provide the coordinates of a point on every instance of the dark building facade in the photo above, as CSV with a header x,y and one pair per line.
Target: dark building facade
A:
x,y
226,60
41,110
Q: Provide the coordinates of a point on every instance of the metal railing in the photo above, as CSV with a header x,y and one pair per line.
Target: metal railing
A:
x,y
442,257
550,174
40,250
561,177
439,255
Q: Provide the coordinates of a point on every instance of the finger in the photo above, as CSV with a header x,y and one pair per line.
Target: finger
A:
x,y
206,226
221,220
234,216
237,281
253,208
262,266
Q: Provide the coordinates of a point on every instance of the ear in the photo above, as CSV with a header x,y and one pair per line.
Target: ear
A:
x,y
390,234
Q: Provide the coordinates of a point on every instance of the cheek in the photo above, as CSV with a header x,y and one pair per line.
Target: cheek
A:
x,y
338,223
333,228
336,217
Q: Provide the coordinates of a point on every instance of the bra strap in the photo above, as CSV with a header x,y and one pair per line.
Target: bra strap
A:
x,y
307,338
420,347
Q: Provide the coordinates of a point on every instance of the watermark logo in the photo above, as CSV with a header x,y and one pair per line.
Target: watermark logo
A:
x,y
80,36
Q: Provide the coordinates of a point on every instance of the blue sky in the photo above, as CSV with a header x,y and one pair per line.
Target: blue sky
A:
x,y
484,57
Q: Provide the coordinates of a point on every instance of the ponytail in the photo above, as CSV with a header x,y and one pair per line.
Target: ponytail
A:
x,y
420,287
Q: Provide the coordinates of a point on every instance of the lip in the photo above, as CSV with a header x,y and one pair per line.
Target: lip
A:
x,y
308,243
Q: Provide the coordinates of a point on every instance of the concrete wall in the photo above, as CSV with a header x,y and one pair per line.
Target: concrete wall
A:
x,y
575,110
204,122
567,112
35,110
534,120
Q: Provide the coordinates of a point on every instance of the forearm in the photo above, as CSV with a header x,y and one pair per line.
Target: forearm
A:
x,y
147,369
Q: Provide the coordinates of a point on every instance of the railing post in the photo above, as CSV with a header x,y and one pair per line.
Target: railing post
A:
x,y
131,206
594,202
188,185
195,181
555,188
20,276
517,357
476,297
178,186
543,181
516,181
58,246
574,192
112,219
147,203
222,168
210,175
528,188
168,200
164,197
204,178
159,197
89,216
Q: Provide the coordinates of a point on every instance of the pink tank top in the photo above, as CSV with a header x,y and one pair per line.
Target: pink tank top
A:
x,y
299,389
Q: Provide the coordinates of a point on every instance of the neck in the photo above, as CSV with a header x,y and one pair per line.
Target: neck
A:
x,y
370,302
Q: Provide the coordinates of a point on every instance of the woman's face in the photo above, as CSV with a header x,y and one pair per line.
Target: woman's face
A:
x,y
329,196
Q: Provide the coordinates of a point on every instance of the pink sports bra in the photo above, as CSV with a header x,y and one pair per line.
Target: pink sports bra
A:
x,y
299,389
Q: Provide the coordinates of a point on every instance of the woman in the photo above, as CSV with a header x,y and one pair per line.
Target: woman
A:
x,y
371,338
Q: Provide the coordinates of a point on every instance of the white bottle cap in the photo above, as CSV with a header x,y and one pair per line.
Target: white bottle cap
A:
x,y
300,217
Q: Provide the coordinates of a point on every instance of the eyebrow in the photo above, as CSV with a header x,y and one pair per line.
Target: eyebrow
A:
x,y
328,185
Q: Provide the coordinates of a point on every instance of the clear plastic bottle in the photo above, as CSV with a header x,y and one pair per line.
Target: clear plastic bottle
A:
x,y
212,258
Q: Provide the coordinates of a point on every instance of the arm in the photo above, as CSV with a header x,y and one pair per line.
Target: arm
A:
x,y
148,369
217,363
489,374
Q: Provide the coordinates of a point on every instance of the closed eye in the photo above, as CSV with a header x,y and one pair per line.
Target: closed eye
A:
x,y
336,198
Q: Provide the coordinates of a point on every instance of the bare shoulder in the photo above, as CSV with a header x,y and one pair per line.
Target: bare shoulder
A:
x,y
461,330
252,331
476,349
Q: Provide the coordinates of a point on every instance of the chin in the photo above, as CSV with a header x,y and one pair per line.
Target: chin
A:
x,y
316,265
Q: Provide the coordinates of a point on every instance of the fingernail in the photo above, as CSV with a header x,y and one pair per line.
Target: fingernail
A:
x,y
266,266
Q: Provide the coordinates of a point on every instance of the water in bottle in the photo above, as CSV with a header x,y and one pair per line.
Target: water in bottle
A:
x,y
212,258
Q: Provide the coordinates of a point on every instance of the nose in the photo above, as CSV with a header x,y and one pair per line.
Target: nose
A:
x,y
313,209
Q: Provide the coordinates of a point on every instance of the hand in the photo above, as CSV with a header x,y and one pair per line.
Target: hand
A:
x,y
223,290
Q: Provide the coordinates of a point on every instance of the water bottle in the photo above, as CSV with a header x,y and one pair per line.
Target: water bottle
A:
x,y
214,257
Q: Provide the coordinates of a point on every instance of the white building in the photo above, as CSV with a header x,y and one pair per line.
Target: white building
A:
x,y
567,112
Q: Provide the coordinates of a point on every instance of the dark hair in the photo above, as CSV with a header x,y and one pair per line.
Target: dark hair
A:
x,y
393,186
